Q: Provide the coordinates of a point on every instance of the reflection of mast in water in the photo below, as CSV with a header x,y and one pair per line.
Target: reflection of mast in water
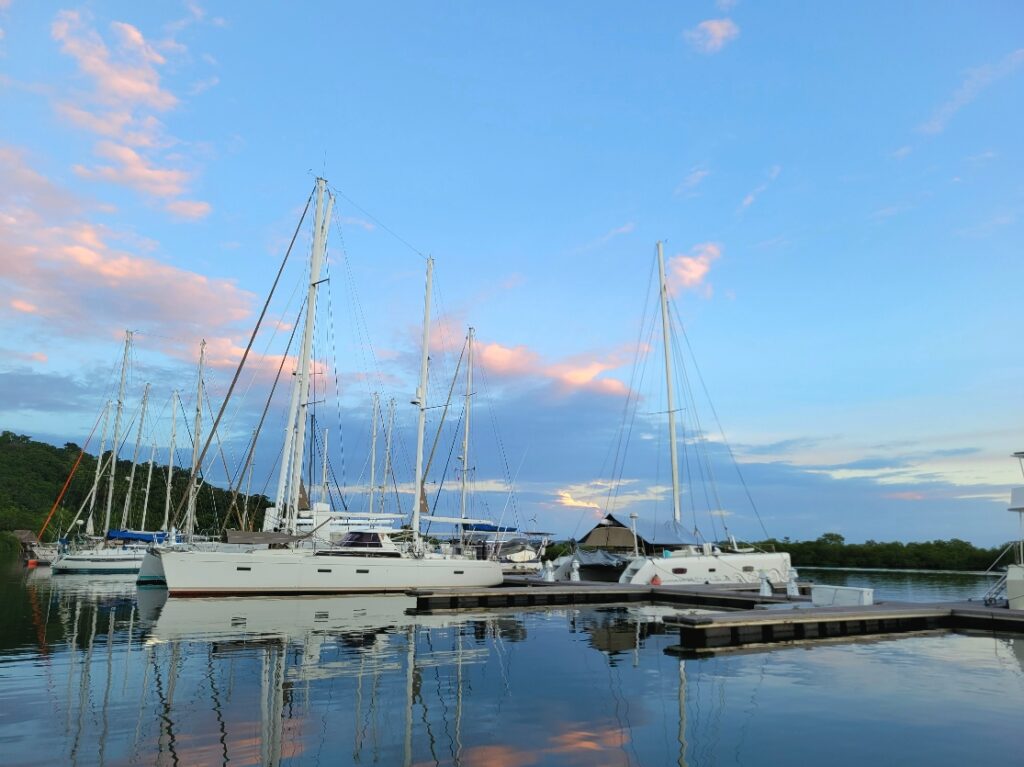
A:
x,y
166,744
106,689
272,703
83,689
682,713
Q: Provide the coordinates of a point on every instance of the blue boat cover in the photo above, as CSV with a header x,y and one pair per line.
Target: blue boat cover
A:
x,y
136,535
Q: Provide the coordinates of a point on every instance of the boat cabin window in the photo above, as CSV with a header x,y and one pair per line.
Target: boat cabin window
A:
x,y
748,568
711,569
679,571
362,541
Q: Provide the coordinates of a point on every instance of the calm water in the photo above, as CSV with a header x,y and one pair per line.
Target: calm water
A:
x,y
92,673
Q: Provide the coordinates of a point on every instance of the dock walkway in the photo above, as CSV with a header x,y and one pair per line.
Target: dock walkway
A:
x,y
743,618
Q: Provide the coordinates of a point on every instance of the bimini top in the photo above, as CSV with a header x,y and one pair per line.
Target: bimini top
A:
x,y
611,533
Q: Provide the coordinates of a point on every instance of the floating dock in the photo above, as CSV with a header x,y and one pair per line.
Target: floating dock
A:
x,y
524,592
749,628
743,618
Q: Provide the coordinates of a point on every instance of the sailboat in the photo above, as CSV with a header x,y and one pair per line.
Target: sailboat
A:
x,y
111,555
703,562
362,561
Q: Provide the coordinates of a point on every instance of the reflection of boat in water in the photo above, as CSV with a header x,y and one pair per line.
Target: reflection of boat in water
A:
x,y
367,641
289,618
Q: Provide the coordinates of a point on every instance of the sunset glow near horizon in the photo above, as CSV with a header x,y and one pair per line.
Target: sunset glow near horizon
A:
x,y
838,190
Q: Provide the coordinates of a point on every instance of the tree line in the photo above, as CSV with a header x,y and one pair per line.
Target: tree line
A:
x,y
832,550
32,474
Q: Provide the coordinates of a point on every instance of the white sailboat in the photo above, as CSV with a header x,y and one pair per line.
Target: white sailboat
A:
x,y
363,561
699,562
107,556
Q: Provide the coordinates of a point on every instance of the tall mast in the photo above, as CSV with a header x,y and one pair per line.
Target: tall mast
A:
x,y
323,472
99,470
321,217
170,462
666,331
149,481
135,459
286,454
465,433
248,488
193,488
387,451
373,449
421,401
114,447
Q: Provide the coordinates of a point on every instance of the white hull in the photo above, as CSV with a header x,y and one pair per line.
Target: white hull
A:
x,y
289,571
691,568
151,573
99,561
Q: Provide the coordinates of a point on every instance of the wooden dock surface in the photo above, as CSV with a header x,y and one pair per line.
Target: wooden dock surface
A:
x,y
736,622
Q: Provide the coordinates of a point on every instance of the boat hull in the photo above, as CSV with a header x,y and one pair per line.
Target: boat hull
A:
x,y
99,562
725,567
285,571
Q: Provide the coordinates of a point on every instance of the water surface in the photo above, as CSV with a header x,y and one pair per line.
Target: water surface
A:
x,y
93,673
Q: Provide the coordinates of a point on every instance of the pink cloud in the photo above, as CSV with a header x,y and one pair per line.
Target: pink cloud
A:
x,y
507,360
575,373
128,77
82,279
131,169
190,209
687,272
23,306
711,36
906,496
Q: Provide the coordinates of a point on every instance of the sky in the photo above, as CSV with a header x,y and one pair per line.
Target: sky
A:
x,y
838,189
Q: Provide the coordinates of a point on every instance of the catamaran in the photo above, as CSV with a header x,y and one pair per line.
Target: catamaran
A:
x,y
372,560
699,562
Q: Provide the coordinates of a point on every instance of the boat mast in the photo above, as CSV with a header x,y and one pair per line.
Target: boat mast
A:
x,y
135,459
117,431
193,488
170,462
373,449
149,481
323,472
321,217
248,488
89,529
387,451
465,432
421,402
667,335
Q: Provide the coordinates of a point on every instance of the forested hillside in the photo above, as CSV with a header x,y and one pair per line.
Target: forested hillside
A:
x,y
32,474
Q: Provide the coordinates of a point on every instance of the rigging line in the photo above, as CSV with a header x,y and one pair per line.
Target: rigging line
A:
x,y
377,221
625,439
506,468
629,407
703,444
725,440
273,336
699,452
444,473
245,354
333,343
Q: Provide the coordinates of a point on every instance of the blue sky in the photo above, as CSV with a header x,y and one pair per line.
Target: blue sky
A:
x,y
838,188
